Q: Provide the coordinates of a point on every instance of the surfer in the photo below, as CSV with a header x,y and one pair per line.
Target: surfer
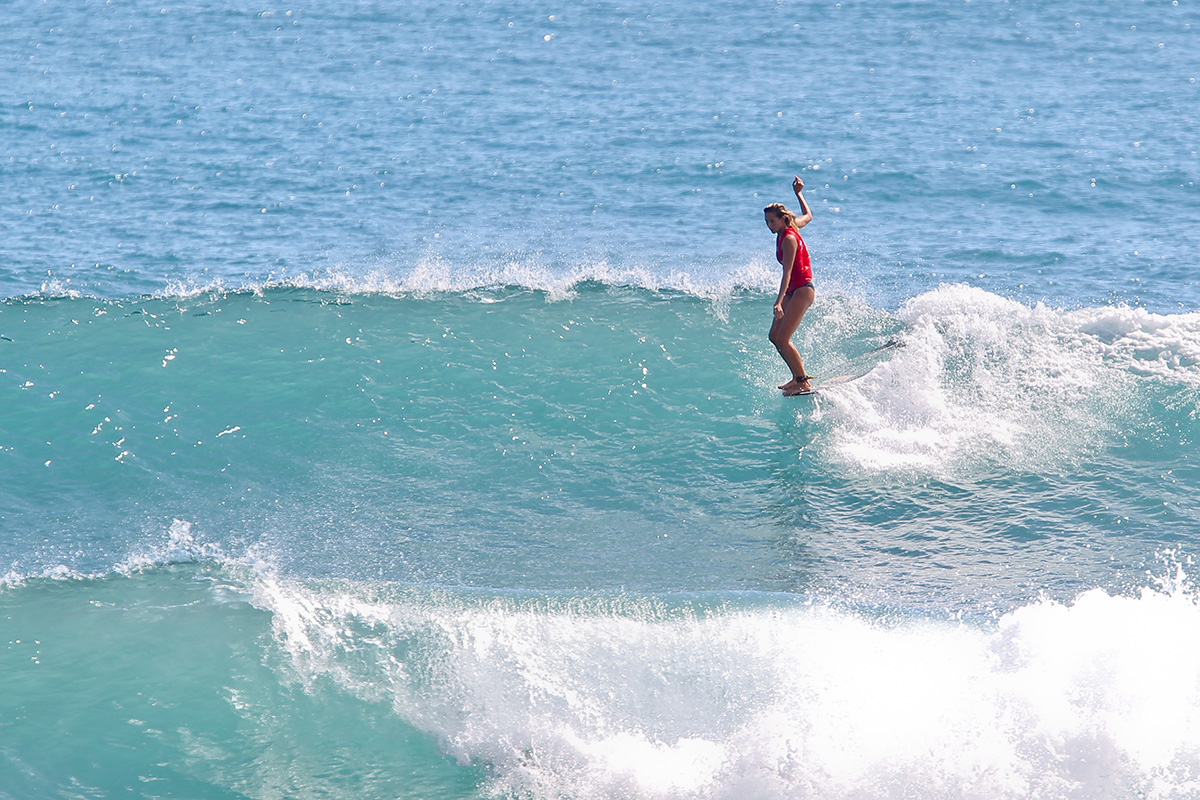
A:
x,y
796,292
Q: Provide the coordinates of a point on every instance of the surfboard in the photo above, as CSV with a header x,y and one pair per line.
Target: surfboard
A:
x,y
851,369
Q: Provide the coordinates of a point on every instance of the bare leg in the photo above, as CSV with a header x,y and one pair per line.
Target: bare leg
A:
x,y
782,330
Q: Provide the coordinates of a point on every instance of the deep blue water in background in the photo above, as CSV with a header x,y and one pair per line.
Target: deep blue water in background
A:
x,y
942,141
386,408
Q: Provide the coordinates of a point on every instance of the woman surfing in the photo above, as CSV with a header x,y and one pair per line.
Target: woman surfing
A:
x,y
796,292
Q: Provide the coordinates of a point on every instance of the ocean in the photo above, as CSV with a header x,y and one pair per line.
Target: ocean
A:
x,y
387,410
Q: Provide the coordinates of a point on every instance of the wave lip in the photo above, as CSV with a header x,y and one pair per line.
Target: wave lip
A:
x,y
435,275
183,546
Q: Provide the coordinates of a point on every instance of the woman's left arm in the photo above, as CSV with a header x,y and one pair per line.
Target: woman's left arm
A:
x,y
806,217
788,250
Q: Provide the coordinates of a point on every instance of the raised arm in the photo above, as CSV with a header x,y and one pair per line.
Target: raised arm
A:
x,y
806,217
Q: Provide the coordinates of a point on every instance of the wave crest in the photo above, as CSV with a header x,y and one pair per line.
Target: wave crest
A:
x,y
435,275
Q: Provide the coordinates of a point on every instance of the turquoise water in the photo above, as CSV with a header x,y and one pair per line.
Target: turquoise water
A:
x,y
386,408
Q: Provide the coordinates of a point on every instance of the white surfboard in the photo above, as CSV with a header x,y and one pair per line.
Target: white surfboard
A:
x,y
852,369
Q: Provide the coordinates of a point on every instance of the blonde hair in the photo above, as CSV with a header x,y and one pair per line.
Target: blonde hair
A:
x,y
780,210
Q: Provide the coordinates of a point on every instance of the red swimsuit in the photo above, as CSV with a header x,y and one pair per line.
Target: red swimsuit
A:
x,y
801,266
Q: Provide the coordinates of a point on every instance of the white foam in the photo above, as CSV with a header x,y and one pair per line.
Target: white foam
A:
x,y
985,380
434,274
185,545
15,578
1163,346
59,288
1097,698
182,546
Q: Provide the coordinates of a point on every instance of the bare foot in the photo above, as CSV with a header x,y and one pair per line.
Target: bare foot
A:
x,y
798,387
794,382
